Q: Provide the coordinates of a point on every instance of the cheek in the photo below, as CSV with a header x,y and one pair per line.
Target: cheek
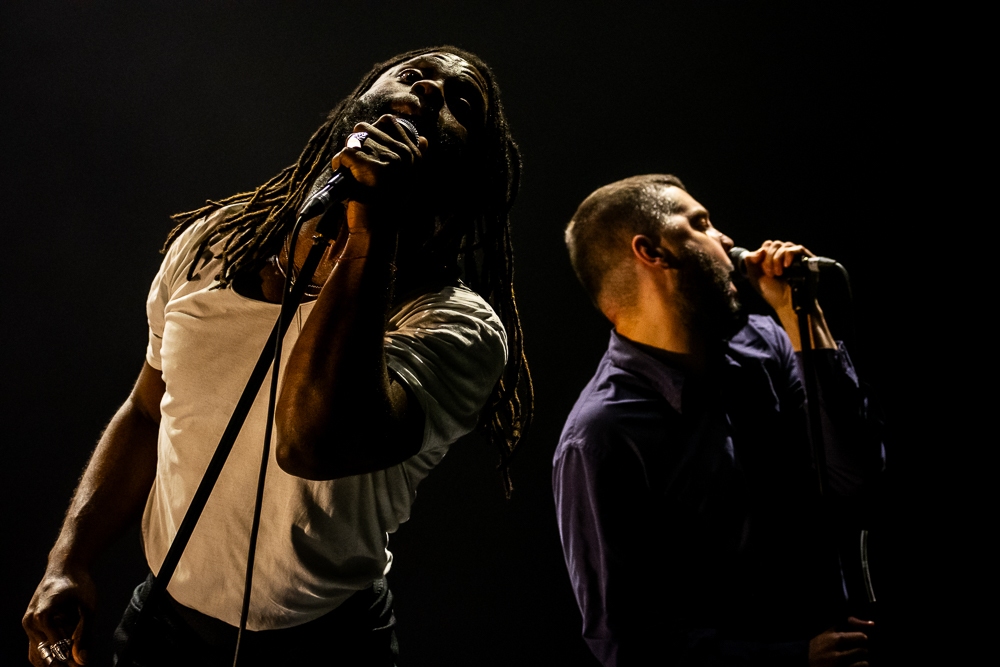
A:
x,y
718,252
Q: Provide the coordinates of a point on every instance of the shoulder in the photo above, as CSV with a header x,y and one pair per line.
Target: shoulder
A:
x,y
455,315
195,254
760,328
762,334
615,410
450,349
451,304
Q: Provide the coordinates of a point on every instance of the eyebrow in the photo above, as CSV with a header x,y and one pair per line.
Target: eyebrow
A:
x,y
465,78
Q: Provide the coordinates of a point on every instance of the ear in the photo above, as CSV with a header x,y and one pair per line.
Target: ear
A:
x,y
650,253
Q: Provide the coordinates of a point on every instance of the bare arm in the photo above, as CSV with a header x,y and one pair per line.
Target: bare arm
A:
x,y
339,412
110,496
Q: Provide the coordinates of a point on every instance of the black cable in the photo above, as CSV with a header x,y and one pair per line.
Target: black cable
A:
x,y
268,428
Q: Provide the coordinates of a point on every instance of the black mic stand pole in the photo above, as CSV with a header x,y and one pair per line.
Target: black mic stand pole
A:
x,y
289,304
804,285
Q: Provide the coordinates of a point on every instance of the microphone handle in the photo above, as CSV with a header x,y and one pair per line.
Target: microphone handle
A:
x,y
340,185
738,257
321,200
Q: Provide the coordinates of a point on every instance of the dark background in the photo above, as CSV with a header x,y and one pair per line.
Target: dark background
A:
x,y
787,121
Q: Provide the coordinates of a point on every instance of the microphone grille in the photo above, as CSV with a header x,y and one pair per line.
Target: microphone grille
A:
x,y
410,128
738,256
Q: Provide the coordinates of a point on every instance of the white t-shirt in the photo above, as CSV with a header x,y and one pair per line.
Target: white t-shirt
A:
x,y
319,542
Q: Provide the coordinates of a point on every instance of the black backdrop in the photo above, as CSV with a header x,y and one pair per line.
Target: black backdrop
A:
x,y
782,119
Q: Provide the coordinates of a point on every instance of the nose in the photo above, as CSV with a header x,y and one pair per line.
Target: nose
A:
x,y
725,241
430,92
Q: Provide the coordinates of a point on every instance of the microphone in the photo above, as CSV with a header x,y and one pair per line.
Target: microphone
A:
x,y
800,263
338,188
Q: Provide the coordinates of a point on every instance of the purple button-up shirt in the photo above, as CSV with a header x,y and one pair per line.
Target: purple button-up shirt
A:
x,y
688,506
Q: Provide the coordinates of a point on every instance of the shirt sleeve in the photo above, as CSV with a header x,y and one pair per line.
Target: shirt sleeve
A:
x,y
851,426
173,276
449,348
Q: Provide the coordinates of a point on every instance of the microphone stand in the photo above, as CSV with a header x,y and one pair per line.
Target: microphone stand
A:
x,y
804,285
289,303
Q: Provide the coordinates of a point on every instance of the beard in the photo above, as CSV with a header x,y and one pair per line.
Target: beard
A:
x,y
709,303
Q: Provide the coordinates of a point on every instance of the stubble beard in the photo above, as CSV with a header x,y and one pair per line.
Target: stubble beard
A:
x,y
710,305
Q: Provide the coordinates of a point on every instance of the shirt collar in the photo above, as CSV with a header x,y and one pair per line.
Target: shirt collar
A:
x,y
666,379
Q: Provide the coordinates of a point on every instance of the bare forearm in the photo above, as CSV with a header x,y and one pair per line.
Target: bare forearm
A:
x,y
338,412
820,335
112,491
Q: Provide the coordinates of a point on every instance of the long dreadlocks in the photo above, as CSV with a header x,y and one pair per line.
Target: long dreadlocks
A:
x,y
255,231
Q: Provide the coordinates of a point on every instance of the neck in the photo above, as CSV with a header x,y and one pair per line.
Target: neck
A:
x,y
678,344
655,320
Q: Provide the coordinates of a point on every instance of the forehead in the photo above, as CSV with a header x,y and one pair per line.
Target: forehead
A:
x,y
680,202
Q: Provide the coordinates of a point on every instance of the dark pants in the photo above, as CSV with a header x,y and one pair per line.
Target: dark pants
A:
x,y
361,631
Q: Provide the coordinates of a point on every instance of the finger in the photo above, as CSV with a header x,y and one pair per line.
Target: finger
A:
x,y
856,622
767,265
387,135
788,253
382,146
81,641
852,656
364,167
34,657
56,634
391,125
794,250
36,631
784,255
847,640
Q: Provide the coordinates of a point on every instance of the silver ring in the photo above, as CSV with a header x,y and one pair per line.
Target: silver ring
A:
x,y
45,653
357,140
61,649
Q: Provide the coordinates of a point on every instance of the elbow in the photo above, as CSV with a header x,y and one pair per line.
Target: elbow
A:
x,y
299,451
292,461
324,454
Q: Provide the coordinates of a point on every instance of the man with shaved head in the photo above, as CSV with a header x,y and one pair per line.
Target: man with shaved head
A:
x,y
686,497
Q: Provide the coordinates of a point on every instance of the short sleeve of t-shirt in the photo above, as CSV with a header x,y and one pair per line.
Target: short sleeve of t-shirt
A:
x,y
173,276
450,348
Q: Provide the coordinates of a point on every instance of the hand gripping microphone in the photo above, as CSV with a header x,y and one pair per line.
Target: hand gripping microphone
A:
x,y
339,187
800,263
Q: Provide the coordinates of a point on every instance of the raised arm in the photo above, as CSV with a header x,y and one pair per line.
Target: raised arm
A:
x,y
110,496
852,432
339,412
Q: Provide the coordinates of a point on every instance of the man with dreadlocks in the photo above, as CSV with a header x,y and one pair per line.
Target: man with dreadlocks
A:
x,y
408,329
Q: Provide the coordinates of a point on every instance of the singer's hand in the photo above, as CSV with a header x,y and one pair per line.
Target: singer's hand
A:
x,y
384,166
765,270
60,609
836,648
765,267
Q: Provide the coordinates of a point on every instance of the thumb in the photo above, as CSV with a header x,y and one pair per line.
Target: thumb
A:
x,y
81,639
